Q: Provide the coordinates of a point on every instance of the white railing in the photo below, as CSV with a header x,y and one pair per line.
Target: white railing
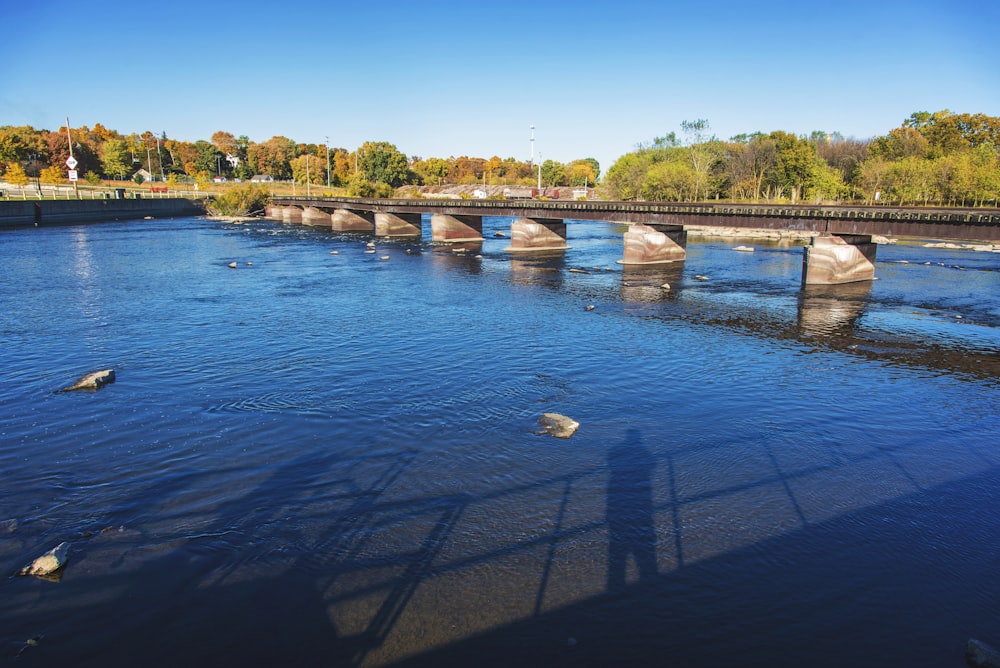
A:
x,y
44,191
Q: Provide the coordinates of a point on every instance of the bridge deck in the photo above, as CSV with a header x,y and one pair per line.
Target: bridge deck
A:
x,y
944,223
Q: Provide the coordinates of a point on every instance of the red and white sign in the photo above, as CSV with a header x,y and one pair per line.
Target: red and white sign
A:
x,y
72,174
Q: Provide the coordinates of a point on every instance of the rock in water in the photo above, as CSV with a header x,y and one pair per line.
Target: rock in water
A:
x,y
558,425
92,381
48,563
980,655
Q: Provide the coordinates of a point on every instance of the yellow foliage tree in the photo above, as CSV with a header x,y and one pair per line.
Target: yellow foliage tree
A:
x,y
15,175
51,175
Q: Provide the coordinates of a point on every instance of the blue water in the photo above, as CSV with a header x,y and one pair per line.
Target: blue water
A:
x,y
324,458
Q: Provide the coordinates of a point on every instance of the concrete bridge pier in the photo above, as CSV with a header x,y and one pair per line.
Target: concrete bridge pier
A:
x,y
397,224
315,217
654,244
447,228
537,234
835,259
291,214
345,220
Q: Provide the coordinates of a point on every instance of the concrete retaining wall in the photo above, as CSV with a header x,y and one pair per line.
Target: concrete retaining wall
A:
x,y
68,212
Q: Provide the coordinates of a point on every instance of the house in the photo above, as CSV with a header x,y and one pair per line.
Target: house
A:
x,y
261,178
146,176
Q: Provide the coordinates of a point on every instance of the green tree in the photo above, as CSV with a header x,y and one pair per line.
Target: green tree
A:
x,y
625,177
824,182
554,173
873,178
381,162
670,181
431,171
909,180
795,160
208,158
900,143
986,175
115,161
21,144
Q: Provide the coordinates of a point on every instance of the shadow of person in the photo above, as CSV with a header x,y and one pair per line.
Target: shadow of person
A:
x,y
630,511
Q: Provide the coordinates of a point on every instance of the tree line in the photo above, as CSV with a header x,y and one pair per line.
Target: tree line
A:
x,y
939,158
374,168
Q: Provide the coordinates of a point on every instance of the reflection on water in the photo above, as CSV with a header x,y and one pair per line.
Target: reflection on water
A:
x,y
650,283
832,310
541,268
327,459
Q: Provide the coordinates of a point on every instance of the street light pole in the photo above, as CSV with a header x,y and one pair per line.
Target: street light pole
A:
x,y
531,160
327,139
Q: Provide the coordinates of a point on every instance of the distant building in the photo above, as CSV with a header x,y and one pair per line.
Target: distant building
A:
x,y
146,176
261,178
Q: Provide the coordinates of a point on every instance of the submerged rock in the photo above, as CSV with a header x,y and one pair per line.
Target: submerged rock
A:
x,y
231,265
8,527
48,563
92,381
558,425
744,249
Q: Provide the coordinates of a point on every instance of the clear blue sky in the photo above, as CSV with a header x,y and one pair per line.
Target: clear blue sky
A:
x,y
445,78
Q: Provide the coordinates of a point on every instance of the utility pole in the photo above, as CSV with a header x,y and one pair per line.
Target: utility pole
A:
x,y
71,162
327,144
308,191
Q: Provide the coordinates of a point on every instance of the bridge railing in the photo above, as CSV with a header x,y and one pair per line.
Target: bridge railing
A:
x,y
883,213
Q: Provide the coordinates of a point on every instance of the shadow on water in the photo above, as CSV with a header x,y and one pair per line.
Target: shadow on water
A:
x,y
325,563
732,609
630,511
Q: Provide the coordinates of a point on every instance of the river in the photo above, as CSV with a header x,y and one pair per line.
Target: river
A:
x,y
326,458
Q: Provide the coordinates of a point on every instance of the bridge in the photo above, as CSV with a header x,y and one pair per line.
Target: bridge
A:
x,y
842,251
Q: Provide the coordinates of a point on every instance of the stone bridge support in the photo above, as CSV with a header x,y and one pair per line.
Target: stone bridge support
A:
x,y
456,228
654,244
537,234
291,214
316,217
345,220
397,224
843,258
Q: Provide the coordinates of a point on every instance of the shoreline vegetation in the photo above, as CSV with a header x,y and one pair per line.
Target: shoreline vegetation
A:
x,y
932,159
